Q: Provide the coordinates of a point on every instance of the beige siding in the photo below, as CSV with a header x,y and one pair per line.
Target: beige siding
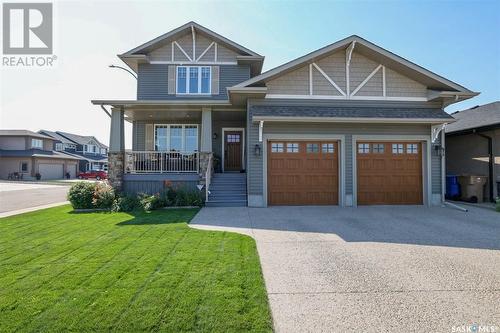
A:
x,y
398,85
12,143
225,55
13,164
374,86
201,45
321,86
293,83
359,69
186,42
334,66
297,82
163,53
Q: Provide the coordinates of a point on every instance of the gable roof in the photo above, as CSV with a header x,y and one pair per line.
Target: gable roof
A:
x,y
24,133
56,136
158,41
81,139
391,60
484,116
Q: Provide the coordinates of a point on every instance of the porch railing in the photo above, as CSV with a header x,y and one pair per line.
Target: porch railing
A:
x,y
161,162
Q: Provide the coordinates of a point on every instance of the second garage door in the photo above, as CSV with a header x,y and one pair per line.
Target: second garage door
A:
x,y
50,171
302,173
389,173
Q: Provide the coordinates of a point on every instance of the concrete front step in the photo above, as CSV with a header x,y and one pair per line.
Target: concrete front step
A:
x,y
224,197
234,203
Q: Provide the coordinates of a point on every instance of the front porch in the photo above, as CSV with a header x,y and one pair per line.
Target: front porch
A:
x,y
180,145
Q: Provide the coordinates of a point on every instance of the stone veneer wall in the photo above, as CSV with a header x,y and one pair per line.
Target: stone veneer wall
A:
x,y
115,170
204,158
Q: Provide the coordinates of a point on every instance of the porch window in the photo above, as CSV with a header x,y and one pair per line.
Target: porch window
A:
x,y
193,80
176,138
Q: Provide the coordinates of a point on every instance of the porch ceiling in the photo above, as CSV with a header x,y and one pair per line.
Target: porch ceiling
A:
x,y
132,114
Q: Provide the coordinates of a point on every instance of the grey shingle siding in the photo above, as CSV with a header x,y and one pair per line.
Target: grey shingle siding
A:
x,y
153,81
349,112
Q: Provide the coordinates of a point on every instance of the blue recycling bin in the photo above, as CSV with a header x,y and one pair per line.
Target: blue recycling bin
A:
x,y
452,187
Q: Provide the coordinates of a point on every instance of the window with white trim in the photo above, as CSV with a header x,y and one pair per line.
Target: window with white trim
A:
x,y
277,147
363,148
378,148
412,148
194,80
37,143
292,147
328,148
397,148
312,148
59,146
175,137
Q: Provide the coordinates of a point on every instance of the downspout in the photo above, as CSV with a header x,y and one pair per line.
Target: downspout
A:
x,y
443,167
490,162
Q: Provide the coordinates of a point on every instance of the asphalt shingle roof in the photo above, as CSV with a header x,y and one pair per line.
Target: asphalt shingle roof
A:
x,y
80,139
476,117
36,153
348,112
56,136
23,133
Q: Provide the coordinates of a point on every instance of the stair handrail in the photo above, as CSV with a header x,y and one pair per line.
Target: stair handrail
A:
x,y
208,176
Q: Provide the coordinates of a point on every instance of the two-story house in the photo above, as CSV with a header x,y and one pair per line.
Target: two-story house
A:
x,y
349,124
93,155
24,154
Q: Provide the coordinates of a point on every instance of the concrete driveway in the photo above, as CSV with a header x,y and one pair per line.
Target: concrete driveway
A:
x,y
373,269
18,196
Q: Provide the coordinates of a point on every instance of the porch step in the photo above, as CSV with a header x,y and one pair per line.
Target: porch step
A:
x,y
228,190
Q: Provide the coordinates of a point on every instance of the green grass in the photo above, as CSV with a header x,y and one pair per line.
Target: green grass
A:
x,y
61,271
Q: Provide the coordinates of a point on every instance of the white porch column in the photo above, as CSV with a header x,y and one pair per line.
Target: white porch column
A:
x,y
117,135
206,130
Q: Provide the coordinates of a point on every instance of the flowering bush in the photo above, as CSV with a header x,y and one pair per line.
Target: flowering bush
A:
x,y
104,195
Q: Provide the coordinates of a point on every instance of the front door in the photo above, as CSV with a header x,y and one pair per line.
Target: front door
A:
x,y
233,150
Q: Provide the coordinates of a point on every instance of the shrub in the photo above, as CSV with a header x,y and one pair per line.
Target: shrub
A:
x,y
188,198
104,196
125,204
151,202
497,206
81,195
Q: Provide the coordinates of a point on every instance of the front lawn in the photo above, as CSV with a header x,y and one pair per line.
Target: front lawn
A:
x,y
61,271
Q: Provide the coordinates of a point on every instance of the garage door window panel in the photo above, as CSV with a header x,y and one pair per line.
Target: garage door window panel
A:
x,y
364,148
292,147
277,147
328,148
412,148
397,148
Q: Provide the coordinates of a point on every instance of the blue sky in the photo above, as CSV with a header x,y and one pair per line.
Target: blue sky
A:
x,y
459,40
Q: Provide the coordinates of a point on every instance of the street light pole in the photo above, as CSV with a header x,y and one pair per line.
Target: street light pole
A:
x,y
123,68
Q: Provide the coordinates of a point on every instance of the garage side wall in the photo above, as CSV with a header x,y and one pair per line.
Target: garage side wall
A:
x,y
255,174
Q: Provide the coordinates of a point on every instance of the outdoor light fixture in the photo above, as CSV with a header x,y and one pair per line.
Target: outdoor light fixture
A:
x,y
214,136
439,150
257,150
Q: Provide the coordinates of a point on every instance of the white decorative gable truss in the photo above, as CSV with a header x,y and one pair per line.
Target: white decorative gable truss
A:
x,y
423,84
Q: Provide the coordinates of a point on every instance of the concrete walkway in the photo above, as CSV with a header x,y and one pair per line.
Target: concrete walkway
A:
x,y
373,269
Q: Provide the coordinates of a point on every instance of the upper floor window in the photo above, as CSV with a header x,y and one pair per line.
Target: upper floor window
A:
x,y
37,143
193,79
103,151
59,146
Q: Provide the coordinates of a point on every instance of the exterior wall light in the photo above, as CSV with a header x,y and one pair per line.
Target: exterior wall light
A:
x,y
257,150
214,136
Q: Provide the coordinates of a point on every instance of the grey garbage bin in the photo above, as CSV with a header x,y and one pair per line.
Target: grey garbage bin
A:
x,y
472,187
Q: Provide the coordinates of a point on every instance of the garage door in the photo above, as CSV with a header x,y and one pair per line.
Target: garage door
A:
x,y
389,173
50,171
302,173
72,170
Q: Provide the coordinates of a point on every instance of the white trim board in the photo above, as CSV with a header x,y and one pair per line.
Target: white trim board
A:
x,y
306,137
426,161
367,98
235,129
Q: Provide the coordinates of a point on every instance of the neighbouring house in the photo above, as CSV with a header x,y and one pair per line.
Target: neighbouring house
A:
x,y
93,155
349,124
473,145
24,154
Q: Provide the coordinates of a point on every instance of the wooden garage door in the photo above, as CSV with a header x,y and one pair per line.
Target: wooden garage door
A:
x,y
302,173
389,173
